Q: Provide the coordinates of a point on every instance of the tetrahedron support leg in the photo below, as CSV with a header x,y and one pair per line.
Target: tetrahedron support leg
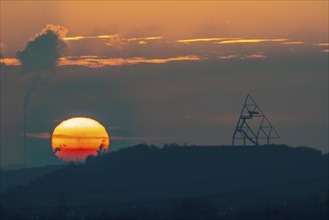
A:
x,y
250,132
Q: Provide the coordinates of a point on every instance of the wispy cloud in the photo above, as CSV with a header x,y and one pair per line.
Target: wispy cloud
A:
x,y
144,38
255,56
322,44
219,40
142,42
46,135
41,135
90,37
293,43
252,41
66,136
96,62
115,40
111,36
260,55
187,41
10,61
229,56
125,50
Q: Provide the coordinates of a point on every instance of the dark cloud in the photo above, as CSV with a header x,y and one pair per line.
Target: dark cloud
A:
x,y
41,55
42,52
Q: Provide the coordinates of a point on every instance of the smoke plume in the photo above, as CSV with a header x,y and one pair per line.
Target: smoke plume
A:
x,y
42,52
41,55
29,91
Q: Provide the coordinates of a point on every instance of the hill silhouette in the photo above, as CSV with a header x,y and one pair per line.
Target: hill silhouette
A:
x,y
181,182
13,178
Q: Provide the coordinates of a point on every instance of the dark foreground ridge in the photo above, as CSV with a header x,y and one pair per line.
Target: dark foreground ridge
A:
x,y
19,177
174,182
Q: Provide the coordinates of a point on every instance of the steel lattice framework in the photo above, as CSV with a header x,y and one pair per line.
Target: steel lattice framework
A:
x,y
263,130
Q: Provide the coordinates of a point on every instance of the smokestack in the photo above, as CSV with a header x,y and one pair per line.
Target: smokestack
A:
x,y
24,138
40,56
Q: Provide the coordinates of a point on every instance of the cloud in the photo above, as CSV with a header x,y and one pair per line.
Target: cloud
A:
x,y
115,50
293,43
42,135
112,45
42,52
259,55
142,42
144,38
195,40
256,56
69,136
47,136
115,40
229,56
10,61
252,41
111,36
97,62
322,44
89,37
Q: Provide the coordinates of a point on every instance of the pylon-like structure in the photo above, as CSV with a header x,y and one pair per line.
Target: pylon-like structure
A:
x,y
253,126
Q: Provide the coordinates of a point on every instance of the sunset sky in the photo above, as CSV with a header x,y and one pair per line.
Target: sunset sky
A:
x,y
164,71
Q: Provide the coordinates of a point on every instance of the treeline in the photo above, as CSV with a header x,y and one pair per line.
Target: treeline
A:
x,y
186,209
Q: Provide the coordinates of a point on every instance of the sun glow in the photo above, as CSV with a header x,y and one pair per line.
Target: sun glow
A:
x,y
77,138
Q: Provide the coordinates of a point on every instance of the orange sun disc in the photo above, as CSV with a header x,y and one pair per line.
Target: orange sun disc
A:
x,y
76,138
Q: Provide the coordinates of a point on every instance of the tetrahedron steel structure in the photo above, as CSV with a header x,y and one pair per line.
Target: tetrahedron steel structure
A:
x,y
253,128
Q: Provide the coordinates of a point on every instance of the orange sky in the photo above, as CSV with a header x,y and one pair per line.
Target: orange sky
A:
x,y
200,51
20,20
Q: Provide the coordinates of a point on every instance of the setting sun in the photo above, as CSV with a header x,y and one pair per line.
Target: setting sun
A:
x,y
77,138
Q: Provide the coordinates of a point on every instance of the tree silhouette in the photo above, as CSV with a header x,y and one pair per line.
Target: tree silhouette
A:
x,y
102,149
